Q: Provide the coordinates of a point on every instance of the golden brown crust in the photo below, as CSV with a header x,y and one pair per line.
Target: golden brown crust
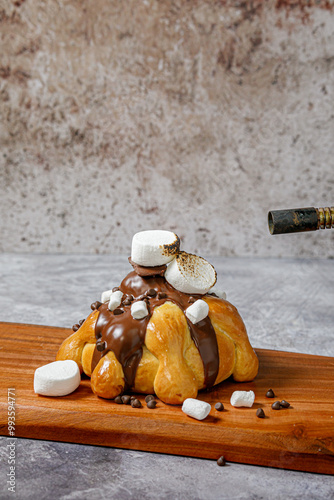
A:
x,y
87,358
171,365
73,346
107,379
227,322
168,338
146,372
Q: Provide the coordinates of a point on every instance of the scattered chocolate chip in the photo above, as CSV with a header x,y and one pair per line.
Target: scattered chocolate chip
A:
x,y
221,461
144,296
219,406
151,292
75,327
260,413
191,300
130,298
151,404
96,305
162,295
284,404
276,405
125,399
132,398
135,403
126,302
118,311
115,289
100,346
82,321
270,394
148,398
118,400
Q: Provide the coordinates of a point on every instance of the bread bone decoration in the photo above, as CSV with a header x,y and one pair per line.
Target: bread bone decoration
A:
x,y
149,343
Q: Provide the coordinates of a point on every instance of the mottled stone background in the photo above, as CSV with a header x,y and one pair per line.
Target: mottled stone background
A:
x,y
199,116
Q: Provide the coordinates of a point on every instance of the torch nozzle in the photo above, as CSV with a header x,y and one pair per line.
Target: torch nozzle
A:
x,y
297,220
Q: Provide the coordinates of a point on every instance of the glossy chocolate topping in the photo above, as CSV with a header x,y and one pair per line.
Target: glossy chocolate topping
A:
x,y
125,335
148,271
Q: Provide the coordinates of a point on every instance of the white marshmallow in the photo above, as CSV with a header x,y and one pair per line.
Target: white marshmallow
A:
x,y
197,311
106,296
220,294
196,409
57,379
191,274
139,309
242,398
154,248
115,300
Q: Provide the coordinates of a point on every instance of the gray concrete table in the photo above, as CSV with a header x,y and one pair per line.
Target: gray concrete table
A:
x,y
286,305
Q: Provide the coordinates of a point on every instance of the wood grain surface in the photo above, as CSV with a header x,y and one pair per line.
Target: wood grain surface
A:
x,y
300,437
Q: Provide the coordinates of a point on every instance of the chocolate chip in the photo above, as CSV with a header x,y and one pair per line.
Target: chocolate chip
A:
x,y
151,292
270,394
151,404
260,413
75,327
276,405
162,295
126,400
96,305
130,298
135,403
191,300
115,289
118,400
118,311
100,346
284,404
221,461
132,398
219,406
127,302
148,398
82,321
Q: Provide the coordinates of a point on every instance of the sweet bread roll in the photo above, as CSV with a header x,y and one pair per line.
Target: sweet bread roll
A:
x,y
163,352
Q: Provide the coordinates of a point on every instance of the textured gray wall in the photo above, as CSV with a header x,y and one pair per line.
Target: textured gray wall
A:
x,y
195,116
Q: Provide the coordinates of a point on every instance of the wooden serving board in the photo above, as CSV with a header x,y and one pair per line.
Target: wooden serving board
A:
x,y
300,438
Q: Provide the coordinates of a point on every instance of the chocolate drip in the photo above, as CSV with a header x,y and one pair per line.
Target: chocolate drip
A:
x,y
122,334
125,335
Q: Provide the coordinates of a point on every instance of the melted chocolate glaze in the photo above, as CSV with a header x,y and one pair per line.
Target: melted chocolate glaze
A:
x,y
125,335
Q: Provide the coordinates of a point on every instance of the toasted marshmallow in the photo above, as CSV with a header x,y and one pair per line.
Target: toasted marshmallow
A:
x,y
242,398
197,311
196,409
105,297
115,300
191,274
154,248
139,309
57,379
